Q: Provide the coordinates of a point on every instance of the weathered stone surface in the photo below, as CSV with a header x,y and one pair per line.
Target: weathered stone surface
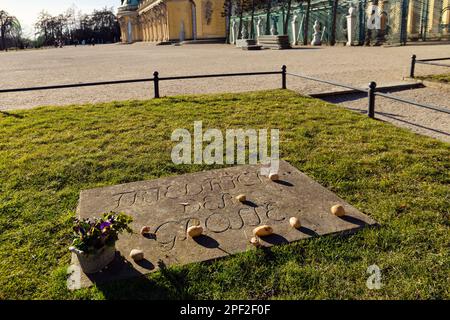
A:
x,y
245,43
171,205
274,41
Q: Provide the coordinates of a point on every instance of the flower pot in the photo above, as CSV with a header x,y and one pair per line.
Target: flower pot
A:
x,y
95,262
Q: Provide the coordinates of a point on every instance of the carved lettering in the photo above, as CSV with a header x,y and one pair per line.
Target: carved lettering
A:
x,y
249,178
217,223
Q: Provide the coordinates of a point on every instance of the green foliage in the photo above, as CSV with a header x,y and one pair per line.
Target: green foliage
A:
x,y
91,234
400,179
10,29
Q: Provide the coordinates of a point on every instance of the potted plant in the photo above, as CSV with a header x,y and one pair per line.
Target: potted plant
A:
x,y
94,239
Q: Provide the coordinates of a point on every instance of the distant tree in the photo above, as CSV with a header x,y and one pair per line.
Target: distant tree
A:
x,y
268,9
101,25
254,5
105,25
286,18
9,28
44,26
241,7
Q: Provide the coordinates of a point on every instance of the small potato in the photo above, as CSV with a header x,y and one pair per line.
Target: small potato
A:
x,y
295,222
255,241
338,210
145,230
274,177
262,231
136,254
194,231
241,198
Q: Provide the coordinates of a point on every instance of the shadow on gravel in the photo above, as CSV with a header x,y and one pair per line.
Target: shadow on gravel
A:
x,y
342,99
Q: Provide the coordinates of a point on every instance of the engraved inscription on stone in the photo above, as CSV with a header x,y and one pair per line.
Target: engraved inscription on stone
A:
x,y
171,205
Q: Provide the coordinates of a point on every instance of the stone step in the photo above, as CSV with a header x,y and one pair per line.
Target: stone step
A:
x,y
205,41
275,46
164,43
275,41
245,42
252,47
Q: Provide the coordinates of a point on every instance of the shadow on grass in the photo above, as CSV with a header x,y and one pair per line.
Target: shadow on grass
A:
x,y
7,114
308,231
275,239
123,282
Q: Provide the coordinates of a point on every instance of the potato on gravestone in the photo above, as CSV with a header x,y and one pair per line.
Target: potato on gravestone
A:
x,y
145,230
274,177
338,210
262,231
194,231
241,198
137,254
295,222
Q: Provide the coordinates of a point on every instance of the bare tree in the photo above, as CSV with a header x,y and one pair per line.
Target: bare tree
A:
x,y
101,25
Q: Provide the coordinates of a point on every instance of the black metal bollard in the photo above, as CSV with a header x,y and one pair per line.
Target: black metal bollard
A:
x,y
156,83
371,96
413,66
283,77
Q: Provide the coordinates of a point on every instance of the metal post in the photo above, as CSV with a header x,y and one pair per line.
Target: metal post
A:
x,y
413,66
371,96
283,77
156,83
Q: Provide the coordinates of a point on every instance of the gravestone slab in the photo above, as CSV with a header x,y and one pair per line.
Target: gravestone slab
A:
x,y
170,205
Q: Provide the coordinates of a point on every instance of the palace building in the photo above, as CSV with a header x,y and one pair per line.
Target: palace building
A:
x,y
171,20
351,22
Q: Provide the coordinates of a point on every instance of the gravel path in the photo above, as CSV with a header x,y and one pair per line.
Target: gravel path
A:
x,y
356,66
420,120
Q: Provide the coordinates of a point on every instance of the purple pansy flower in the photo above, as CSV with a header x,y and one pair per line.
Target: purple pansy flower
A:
x,y
105,225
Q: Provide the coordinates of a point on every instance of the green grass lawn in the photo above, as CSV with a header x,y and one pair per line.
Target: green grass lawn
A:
x,y
443,78
401,179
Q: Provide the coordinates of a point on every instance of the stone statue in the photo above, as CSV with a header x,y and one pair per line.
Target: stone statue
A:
x,y
351,23
373,23
244,34
258,26
208,11
233,31
317,34
273,29
294,29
